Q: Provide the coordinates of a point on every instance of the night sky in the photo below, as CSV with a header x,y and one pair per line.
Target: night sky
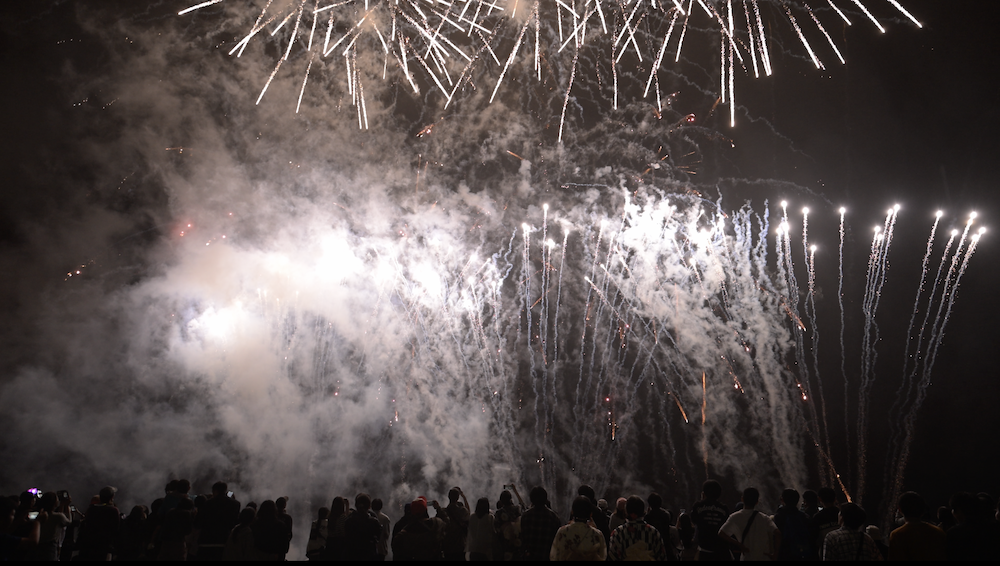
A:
x,y
95,92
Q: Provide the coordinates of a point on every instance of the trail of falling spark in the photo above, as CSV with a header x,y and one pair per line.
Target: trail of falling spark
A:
x,y
583,338
722,70
704,435
798,329
873,293
614,76
555,323
722,24
631,32
602,294
304,81
904,453
906,386
905,13
513,53
839,12
269,79
312,32
569,88
198,7
828,38
659,56
863,383
753,41
843,350
810,251
680,42
295,30
936,327
765,55
526,276
870,16
538,65
732,71
906,382
543,322
802,38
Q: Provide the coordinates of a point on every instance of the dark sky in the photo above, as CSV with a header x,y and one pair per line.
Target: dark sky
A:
x,y
913,118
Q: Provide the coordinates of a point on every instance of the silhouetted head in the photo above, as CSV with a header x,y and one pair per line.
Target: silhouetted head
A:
x,y
183,486
219,489
48,502
418,507
620,506
538,496
588,492
281,504
582,509
911,505
247,515
107,494
655,501
376,505
323,513
810,499
506,499
964,506
363,502
874,532
453,494
482,507
712,490
635,507
268,510
138,513
337,508
790,498
827,496
751,497
853,516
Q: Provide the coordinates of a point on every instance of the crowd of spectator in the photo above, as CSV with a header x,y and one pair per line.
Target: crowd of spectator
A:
x,y
814,525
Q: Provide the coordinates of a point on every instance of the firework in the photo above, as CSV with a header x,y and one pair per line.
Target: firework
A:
x,y
572,353
456,44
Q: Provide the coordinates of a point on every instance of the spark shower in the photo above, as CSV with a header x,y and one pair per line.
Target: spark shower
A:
x,y
325,310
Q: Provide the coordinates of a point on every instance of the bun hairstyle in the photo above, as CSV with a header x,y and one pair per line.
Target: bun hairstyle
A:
x,y
582,508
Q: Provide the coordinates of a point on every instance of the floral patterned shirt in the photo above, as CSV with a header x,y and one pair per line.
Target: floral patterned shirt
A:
x,y
578,541
636,540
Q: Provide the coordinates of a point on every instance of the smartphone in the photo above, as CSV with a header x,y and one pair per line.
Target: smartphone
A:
x,y
63,494
32,515
229,494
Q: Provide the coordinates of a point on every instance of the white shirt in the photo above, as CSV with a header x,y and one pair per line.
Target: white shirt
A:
x,y
480,537
760,539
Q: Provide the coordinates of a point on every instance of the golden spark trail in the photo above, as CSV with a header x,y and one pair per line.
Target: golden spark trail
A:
x,y
198,7
870,16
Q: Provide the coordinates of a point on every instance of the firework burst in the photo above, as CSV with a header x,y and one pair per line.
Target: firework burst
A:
x,y
452,43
